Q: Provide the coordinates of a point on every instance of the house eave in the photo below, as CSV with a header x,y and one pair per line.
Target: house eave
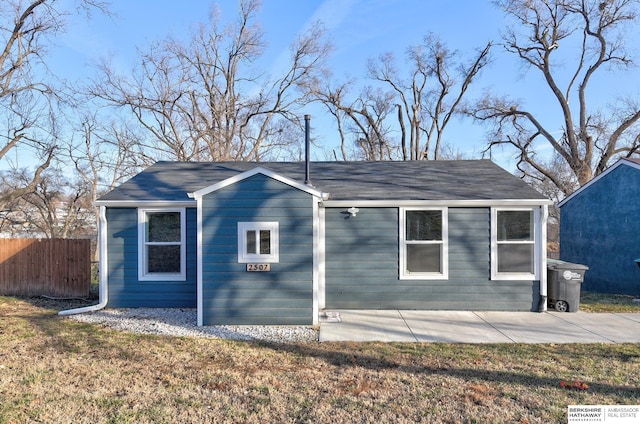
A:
x,y
147,203
450,203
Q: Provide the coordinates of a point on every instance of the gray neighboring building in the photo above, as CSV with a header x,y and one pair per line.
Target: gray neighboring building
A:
x,y
600,228
252,243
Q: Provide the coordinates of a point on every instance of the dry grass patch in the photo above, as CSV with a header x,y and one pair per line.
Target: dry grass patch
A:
x,y
599,302
58,370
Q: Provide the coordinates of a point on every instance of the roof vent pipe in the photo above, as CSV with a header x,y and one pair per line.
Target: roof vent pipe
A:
x,y
307,148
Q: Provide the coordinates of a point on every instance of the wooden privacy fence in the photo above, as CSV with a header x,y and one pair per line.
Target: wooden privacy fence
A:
x,y
51,267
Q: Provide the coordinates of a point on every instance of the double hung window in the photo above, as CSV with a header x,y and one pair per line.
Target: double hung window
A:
x,y
161,253
513,244
423,243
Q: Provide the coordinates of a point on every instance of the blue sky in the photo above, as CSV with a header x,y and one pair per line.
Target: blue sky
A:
x,y
359,30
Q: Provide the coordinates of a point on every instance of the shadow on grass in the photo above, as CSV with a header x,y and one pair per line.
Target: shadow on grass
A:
x,y
345,354
56,305
431,359
70,337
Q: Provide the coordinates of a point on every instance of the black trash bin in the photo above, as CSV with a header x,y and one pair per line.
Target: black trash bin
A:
x,y
564,280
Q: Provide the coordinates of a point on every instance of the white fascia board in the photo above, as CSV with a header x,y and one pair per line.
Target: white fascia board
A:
x,y
146,203
259,170
596,179
449,203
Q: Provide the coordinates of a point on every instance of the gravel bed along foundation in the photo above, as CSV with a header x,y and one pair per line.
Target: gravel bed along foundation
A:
x,y
183,322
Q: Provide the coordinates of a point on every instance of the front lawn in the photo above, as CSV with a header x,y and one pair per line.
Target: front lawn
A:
x,y
57,370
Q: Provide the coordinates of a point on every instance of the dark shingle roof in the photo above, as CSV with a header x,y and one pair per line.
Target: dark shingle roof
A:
x,y
402,180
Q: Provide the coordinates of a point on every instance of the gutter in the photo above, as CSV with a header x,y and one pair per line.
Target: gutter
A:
x,y
104,290
449,203
146,203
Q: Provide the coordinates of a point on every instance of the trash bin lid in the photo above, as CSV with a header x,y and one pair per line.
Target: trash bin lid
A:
x,y
556,264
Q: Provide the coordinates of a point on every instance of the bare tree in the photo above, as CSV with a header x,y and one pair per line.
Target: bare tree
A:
x,y
431,95
332,99
27,97
418,106
588,37
208,100
103,156
362,121
57,208
60,209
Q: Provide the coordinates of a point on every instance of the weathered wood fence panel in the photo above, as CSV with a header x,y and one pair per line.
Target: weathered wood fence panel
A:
x,y
51,267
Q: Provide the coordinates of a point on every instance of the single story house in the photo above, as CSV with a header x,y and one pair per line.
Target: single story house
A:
x,y
279,242
600,228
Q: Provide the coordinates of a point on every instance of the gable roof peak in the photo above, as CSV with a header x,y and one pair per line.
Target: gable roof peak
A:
x,y
632,162
250,173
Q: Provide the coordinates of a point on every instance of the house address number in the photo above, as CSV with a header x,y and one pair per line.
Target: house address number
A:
x,y
258,267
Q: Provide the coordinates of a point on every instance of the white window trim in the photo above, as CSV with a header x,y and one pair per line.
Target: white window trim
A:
x,y
143,275
495,275
244,257
444,246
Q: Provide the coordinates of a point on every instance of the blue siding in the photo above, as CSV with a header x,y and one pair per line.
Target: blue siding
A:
x,y
231,295
125,290
600,228
362,266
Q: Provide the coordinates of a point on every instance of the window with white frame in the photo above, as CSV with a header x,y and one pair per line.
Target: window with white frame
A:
x,y
258,242
162,244
513,244
424,243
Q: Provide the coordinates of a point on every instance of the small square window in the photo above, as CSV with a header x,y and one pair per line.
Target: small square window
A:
x,y
258,242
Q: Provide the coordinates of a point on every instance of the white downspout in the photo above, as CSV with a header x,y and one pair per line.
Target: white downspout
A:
x,y
542,307
199,268
318,260
103,277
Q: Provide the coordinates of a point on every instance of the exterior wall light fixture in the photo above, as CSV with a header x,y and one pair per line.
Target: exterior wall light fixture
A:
x,y
353,211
